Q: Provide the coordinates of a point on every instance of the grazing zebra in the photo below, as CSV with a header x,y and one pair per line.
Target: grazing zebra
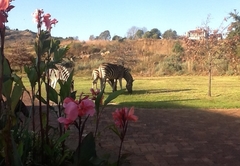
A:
x,y
61,73
95,77
114,71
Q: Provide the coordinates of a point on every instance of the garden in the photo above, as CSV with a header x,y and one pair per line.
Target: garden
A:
x,y
28,138
41,125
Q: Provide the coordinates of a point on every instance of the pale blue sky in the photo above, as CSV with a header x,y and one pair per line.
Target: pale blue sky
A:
x,y
91,17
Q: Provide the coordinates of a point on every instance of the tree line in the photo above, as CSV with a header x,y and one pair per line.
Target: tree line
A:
x,y
135,33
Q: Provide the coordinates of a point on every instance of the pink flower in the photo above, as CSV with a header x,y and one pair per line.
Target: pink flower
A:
x,y
95,93
71,111
4,4
48,22
122,116
4,8
37,16
86,107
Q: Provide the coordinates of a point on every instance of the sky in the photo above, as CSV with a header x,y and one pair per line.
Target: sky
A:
x,y
82,18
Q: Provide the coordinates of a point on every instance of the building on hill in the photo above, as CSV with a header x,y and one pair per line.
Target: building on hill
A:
x,y
197,34
200,34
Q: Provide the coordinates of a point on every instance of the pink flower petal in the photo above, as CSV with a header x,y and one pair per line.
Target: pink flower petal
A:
x,y
131,115
4,4
64,120
73,114
69,107
87,107
67,100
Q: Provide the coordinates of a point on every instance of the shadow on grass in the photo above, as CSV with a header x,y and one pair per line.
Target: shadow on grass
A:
x,y
157,104
159,91
137,92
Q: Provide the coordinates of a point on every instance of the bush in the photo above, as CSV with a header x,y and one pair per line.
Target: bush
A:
x,y
172,64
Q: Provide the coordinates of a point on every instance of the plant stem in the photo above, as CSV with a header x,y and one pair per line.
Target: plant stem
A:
x,y
2,34
33,117
97,121
124,131
119,152
48,101
40,96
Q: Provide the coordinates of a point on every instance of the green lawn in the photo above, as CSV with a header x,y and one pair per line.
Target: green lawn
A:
x,y
174,92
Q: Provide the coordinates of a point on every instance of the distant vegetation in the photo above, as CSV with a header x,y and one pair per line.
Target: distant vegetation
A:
x,y
145,56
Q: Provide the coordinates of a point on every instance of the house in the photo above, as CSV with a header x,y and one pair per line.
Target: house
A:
x,y
200,34
197,34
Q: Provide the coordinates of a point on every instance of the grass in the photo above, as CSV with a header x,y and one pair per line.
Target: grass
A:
x,y
175,92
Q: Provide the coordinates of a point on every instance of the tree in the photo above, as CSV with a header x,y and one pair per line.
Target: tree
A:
x,y
147,35
232,42
139,34
91,37
234,28
104,35
131,32
154,34
170,34
205,51
116,37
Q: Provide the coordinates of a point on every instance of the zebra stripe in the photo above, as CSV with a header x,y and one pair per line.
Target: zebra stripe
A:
x,y
114,71
95,77
61,73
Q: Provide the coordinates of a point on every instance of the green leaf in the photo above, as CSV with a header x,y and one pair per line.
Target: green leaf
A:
x,y
62,138
20,148
16,94
60,53
16,158
52,93
36,46
54,46
62,159
65,88
42,43
73,95
41,99
6,68
7,88
48,150
42,67
46,45
18,80
113,96
32,75
98,101
115,130
87,150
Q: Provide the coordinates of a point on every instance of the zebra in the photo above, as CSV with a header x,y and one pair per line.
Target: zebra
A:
x,y
95,77
61,73
114,71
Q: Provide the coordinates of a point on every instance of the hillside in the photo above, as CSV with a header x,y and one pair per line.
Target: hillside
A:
x,y
145,57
